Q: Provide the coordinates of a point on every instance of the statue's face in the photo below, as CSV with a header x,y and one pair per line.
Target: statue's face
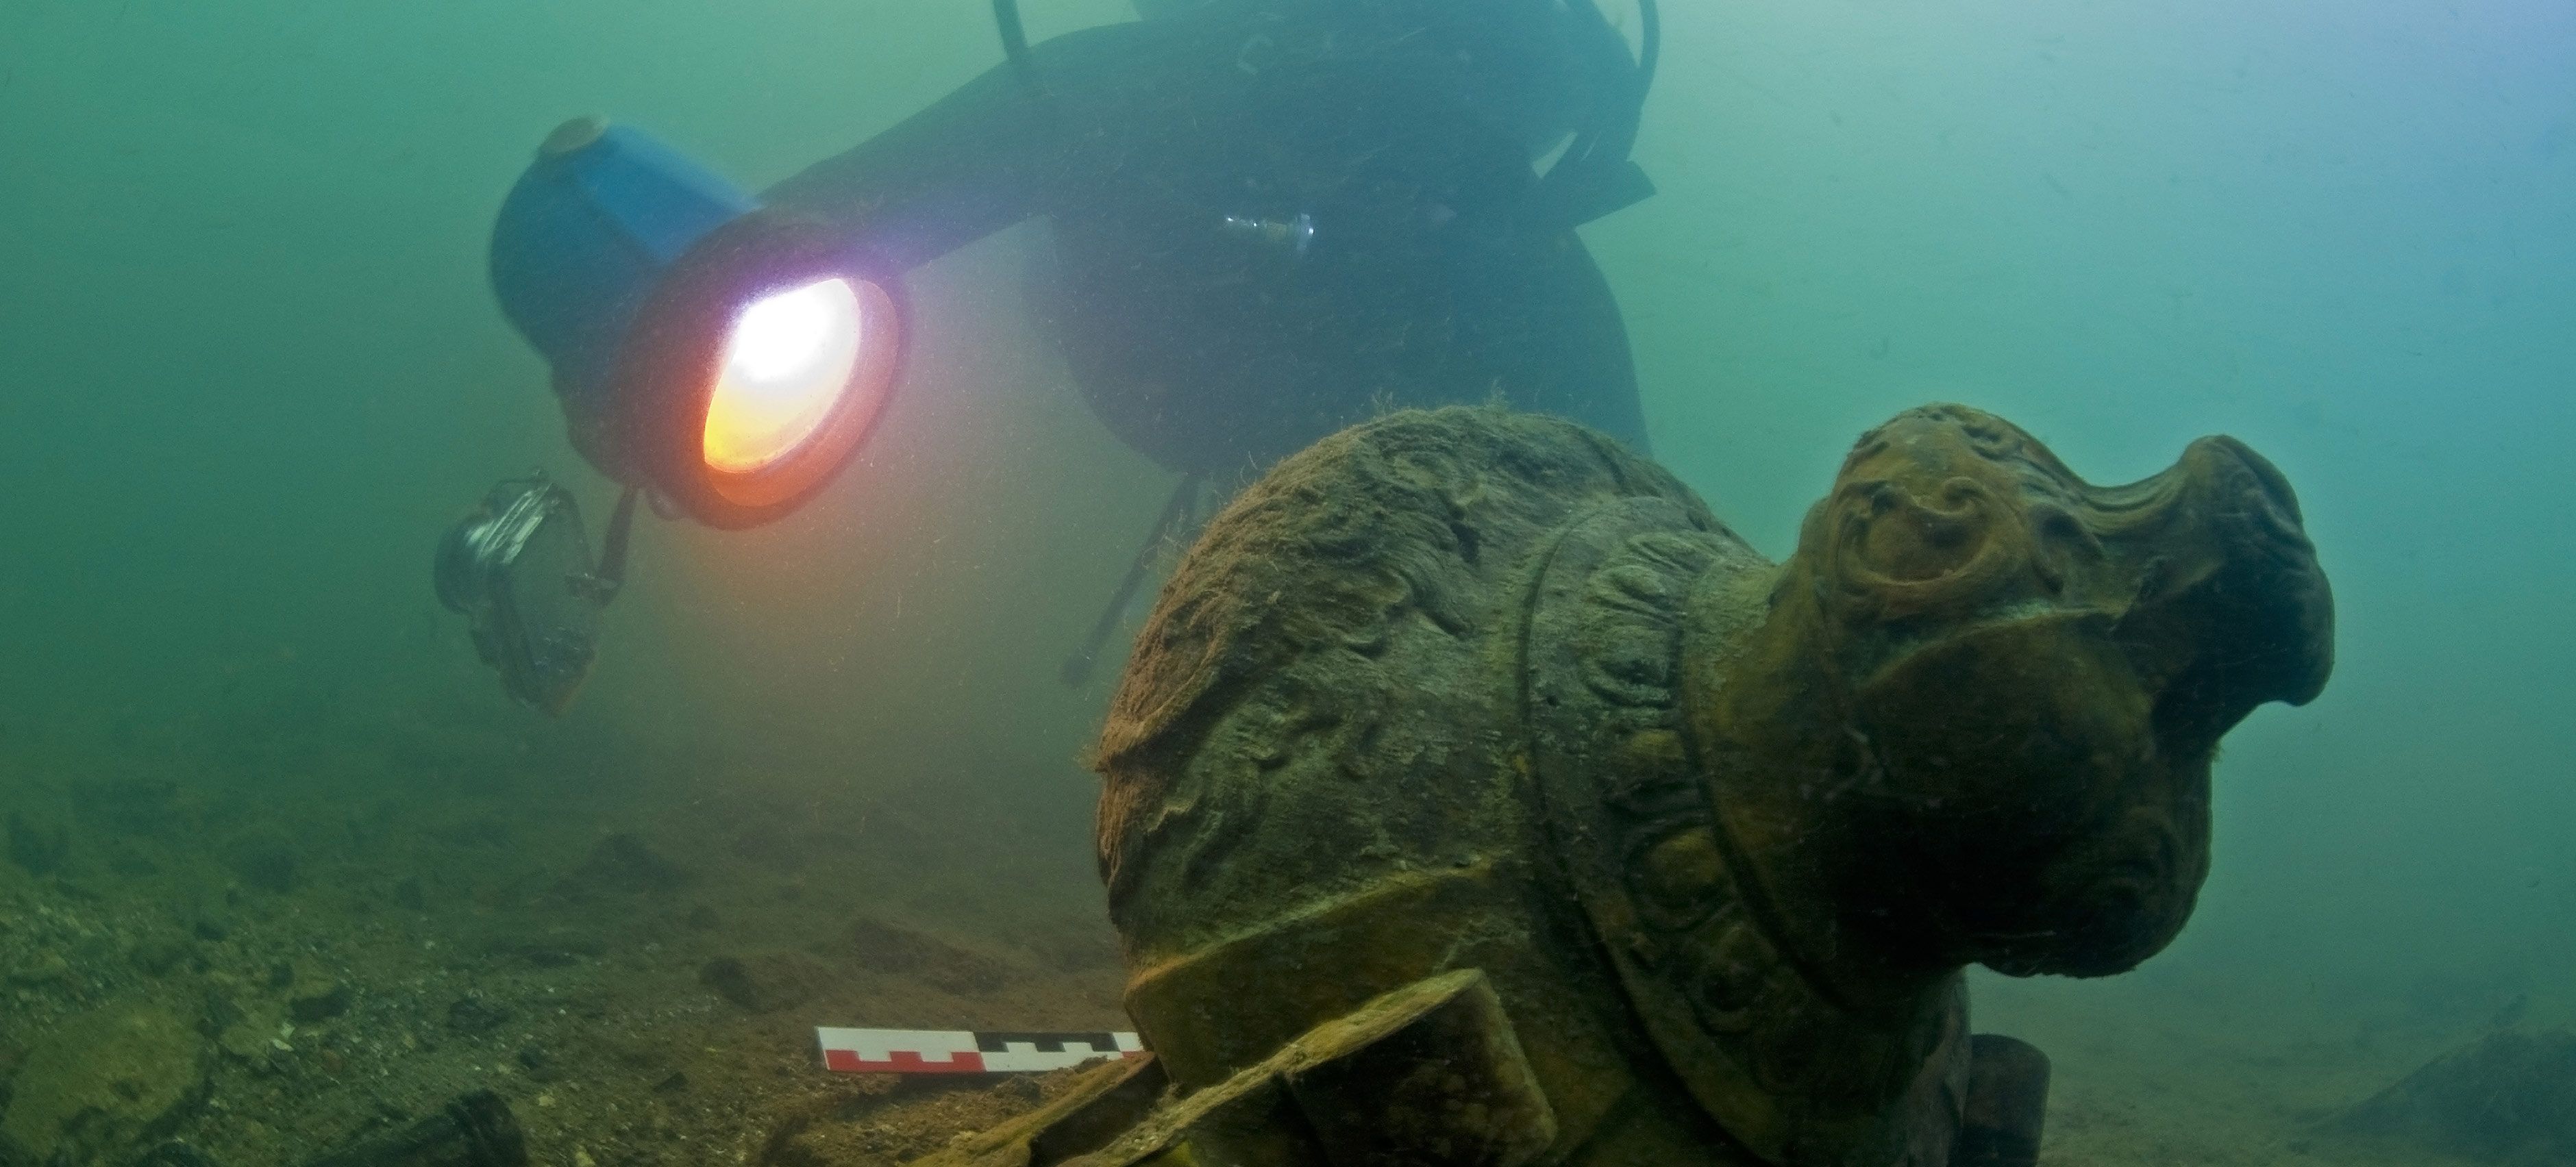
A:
x,y
2037,672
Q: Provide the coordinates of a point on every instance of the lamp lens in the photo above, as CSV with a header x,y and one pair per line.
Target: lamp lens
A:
x,y
787,364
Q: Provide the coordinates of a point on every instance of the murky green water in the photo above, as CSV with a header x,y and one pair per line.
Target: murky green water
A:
x,y
250,367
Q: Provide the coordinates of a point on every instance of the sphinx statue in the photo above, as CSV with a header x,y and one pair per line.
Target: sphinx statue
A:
x,y
1474,796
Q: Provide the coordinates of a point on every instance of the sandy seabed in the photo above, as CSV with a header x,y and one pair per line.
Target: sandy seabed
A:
x,y
2167,1069
637,970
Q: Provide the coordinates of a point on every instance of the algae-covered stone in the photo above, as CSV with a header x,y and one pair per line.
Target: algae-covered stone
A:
x,y
103,1082
312,993
2510,1097
318,1000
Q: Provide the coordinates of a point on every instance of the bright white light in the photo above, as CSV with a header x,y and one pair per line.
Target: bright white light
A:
x,y
785,335
786,365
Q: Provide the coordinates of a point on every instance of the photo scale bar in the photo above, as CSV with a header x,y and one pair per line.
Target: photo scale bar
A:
x,y
966,1051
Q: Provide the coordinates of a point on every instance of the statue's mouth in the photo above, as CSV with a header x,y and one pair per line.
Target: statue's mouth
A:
x,y
2145,856
2142,855
2068,831
2115,897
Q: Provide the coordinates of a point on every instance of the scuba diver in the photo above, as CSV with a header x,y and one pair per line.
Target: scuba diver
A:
x,y
1269,219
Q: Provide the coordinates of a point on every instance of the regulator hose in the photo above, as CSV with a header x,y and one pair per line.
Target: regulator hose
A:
x,y
1015,45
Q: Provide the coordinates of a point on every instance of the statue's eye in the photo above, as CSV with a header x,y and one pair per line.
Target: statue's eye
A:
x,y
2064,546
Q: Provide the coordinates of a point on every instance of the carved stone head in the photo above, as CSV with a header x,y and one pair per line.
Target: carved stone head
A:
x,y
2014,683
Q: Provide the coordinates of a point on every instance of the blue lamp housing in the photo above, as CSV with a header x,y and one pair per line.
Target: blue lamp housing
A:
x,y
588,233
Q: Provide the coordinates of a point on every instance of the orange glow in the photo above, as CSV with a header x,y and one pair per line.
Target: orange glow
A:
x,y
786,366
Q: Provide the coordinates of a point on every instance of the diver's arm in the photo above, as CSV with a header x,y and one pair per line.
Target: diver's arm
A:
x,y
984,157
962,169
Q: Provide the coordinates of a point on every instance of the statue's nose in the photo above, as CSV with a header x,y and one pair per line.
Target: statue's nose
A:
x,y
2249,498
2268,477
2243,614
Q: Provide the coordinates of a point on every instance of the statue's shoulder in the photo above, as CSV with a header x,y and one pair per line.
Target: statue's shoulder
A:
x,y
1419,517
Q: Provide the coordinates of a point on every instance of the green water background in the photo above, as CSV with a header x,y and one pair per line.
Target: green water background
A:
x,y
249,368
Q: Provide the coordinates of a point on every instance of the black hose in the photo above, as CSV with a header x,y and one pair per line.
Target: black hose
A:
x,y
1650,45
611,574
1616,126
1015,45
1177,518
1600,148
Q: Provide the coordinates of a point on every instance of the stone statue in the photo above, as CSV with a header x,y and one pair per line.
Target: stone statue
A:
x,y
1474,796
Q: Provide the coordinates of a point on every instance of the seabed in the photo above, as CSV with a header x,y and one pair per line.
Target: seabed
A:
x,y
271,980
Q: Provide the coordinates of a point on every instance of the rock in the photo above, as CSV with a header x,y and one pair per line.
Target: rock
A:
x,y
888,948
539,1062
219,1005
318,999
249,1026
40,848
766,981
104,1082
2509,1098
247,1040
257,1042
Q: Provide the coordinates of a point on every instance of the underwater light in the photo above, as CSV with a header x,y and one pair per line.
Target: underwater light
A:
x,y
801,375
725,356
785,367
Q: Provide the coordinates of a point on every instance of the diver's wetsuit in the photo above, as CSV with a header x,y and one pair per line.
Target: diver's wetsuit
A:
x,y
1438,268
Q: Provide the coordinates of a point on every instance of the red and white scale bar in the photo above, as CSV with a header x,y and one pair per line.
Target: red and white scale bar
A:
x,y
966,1051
